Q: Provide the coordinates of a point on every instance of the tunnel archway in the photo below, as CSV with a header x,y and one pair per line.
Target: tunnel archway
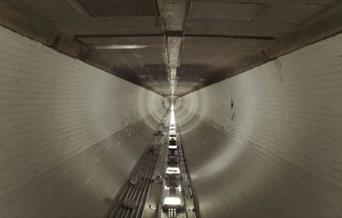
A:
x,y
85,86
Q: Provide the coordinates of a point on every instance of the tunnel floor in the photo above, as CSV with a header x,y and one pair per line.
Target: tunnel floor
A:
x,y
159,185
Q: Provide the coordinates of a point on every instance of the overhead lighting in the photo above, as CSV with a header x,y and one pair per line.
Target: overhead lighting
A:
x,y
172,116
172,170
172,201
172,146
109,47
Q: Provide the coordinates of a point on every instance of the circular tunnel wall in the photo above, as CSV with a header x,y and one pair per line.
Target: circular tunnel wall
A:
x,y
70,133
190,111
268,143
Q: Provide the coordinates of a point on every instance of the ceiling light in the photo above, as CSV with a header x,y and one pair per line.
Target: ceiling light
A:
x,y
172,201
109,47
172,146
172,170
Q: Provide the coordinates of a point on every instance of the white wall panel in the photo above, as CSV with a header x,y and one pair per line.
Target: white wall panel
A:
x,y
69,133
270,141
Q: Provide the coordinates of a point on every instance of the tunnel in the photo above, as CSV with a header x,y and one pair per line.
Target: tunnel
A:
x,y
242,99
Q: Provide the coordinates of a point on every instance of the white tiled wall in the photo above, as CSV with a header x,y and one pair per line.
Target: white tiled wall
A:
x,y
279,130
53,109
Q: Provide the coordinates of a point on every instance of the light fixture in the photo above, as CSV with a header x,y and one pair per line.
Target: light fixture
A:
x,y
172,146
118,47
172,116
172,201
172,170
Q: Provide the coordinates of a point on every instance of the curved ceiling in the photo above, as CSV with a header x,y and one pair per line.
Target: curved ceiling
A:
x,y
204,41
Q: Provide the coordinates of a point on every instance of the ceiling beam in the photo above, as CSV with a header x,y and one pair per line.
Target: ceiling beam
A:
x,y
178,34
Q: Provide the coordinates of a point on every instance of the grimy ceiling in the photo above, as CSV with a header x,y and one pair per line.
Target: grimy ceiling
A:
x,y
203,41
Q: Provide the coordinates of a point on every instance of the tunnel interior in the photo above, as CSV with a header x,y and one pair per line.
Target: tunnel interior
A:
x,y
90,92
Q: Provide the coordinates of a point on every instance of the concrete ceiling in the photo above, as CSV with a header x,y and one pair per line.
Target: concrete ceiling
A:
x,y
216,38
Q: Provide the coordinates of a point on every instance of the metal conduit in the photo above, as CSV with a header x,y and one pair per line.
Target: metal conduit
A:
x,y
186,207
131,199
